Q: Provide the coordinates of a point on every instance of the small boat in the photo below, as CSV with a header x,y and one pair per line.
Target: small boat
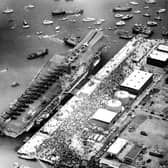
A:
x,y
99,22
8,11
57,12
57,28
30,6
146,7
118,15
146,15
151,23
158,18
150,1
165,33
64,19
122,9
73,12
126,36
40,53
136,11
127,17
161,10
25,25
88,19
15,84
47,22
120,23
133,3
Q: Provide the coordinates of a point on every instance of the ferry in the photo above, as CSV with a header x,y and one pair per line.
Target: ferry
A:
x,y
122,9
8,11
40,53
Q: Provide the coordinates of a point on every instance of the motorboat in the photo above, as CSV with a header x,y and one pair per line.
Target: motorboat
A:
x,y
161,10
165,33
146,15
127,17
118,15
47,22
57,28
136,11
120,23
88,19
57,12
158,18
71,41
133,3
122,9
8,11
73,12
151,23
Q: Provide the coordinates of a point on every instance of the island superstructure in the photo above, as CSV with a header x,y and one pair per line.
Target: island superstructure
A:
x,y
57,78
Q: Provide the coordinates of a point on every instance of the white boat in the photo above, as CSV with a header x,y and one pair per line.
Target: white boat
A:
x,y
118,15
57,28
8,11
134,3
120,23
161,10
151,23
30,6
47,22
88,19
136,11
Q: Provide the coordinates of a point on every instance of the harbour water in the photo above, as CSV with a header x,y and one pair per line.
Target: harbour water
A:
x,y
16,44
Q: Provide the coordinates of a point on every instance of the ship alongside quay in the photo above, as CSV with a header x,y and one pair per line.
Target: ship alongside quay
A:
x,y
54,81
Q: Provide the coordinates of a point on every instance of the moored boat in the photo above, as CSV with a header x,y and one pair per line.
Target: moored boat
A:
x,y
161,10
47,22
151,23
71,41
127,17
165,33
118,15
8,11
122,9
58,12
25,24
72,12
88,19
120,23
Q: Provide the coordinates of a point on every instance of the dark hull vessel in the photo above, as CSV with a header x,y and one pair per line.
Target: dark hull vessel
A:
x,y
40,53
51,85
122,9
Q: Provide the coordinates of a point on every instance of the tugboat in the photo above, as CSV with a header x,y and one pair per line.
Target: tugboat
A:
x,y
151,23
127,17
40,53
122,9
8,11
25,24
57,12
71,41
47,22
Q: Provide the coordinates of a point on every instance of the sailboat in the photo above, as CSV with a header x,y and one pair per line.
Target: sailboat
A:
x,y
25,24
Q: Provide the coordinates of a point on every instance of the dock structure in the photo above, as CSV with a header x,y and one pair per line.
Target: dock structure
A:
x,y
56,78
72,123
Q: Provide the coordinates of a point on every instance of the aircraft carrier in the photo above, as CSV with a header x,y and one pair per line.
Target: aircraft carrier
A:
x,y
55,81
112,120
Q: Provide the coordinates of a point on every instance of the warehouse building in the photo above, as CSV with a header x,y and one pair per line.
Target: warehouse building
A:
x,y
132,154
158,57
104,118
137,82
